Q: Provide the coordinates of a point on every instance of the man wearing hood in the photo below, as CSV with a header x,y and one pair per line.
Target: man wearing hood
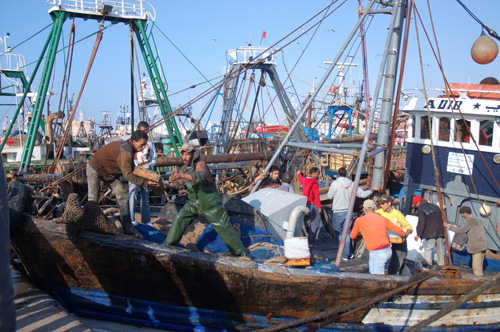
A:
x,y
340,192
430,229
203,200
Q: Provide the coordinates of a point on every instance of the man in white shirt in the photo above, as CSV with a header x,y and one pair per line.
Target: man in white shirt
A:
x,y
340,192
147,159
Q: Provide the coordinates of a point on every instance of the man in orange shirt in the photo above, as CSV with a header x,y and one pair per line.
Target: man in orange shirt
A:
x,y
373,228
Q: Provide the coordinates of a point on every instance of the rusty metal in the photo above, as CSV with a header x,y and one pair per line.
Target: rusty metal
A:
x,y
217,158
154,270
65,177
353,139
451,272
334,313
39,178
60,147
398,96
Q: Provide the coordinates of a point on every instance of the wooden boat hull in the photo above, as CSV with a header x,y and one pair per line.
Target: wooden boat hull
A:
x,y
125,267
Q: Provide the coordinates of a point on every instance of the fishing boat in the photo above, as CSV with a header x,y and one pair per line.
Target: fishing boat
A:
x,y
106,274
462,125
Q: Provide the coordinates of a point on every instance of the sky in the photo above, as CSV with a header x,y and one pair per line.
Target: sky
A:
x,y
202,31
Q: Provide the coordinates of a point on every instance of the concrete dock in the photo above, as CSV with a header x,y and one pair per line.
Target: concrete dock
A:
x,y
38,311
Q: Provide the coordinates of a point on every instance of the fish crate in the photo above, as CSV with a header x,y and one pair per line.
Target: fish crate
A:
x,y
299,262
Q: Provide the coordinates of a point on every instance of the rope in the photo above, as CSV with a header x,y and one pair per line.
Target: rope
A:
x,y
182,53
490,31
258,61
429,123
73,112
78,41
32,36
451,96
230,143
67,67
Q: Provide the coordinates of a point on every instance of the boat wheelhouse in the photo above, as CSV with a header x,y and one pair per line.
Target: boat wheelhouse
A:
x,y
464,129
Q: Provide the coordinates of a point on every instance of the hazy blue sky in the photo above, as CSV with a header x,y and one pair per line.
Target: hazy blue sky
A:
x,y
204,30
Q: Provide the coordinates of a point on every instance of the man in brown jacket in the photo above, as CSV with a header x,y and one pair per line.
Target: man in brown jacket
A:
x,y
477,242
114,164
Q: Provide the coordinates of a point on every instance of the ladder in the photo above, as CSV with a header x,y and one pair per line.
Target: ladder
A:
x,y
151,62
230,92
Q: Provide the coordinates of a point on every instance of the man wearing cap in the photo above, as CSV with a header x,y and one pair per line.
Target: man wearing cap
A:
x,y
203,200
398,243
373,228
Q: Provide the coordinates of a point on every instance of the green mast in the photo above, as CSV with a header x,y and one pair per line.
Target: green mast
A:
x,y
129,12
139,27
55,34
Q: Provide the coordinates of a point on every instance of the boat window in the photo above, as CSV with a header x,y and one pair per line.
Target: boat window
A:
x,y
461,132
444,129
424,128
411,126
486,132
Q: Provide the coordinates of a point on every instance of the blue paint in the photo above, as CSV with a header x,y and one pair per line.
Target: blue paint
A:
x,y
100,305
420,165
149,233
463,258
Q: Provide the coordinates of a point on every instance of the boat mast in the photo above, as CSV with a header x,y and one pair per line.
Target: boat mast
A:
x,y
386,110
130,12
391,59
306,106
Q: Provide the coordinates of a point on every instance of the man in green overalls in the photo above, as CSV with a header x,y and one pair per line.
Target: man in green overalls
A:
x,y
203,200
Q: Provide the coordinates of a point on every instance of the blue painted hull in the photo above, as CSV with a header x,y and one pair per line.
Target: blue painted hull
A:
x,y
420,169
98,304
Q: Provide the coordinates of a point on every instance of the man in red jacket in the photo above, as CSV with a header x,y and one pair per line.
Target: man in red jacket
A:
x,y
310,189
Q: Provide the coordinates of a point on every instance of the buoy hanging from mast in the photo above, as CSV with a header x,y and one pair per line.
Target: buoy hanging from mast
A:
x,y
484,50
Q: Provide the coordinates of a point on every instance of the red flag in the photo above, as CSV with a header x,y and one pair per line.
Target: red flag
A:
x,y
264,34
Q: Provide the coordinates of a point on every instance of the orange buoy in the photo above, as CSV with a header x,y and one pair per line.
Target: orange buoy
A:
x,y
484,50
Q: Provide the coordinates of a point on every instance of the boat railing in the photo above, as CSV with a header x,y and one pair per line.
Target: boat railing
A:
x,y
11,61
125,9
249,54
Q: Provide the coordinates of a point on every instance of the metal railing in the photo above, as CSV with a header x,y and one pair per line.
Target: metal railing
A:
x,y
11,61
248,54
133,9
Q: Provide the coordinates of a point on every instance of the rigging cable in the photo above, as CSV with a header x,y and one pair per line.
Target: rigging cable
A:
x,y
239,71
490,31
182,53
450,92
78,41
233,137
60,148
429,123
450,95
254,105
32,36
67,67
